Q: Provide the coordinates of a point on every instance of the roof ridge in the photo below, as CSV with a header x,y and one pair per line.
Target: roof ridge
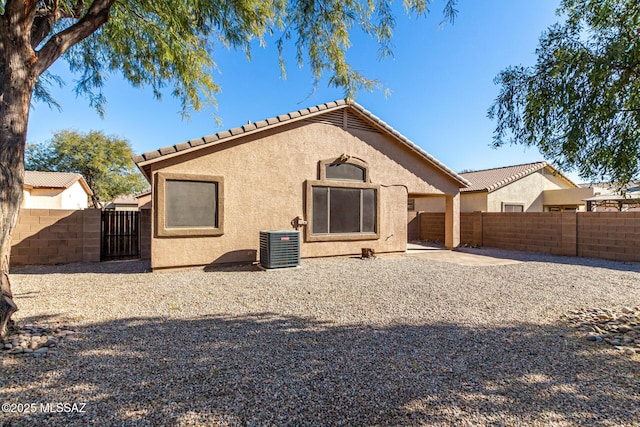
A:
x,y
505,167
53,172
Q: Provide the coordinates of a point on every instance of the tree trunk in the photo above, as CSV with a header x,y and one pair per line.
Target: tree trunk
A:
x,y
20,67
11,179
17,81
14,113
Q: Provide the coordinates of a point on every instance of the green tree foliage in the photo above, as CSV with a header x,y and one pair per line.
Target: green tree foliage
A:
x,y
171,44
103,160
580,103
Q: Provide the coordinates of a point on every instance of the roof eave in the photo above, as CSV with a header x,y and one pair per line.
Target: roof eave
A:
x,y
224,137
246,130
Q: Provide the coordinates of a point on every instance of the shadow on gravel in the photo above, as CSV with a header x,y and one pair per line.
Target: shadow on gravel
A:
x,y
109,267
264,369
556,259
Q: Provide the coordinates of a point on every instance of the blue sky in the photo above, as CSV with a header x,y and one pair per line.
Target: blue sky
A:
x,y
440,82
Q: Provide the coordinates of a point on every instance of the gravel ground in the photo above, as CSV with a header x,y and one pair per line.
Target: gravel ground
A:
x,y
341,341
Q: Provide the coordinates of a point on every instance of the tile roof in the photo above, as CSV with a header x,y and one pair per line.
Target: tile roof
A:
x,y
126,199
492,179
220,137
38,179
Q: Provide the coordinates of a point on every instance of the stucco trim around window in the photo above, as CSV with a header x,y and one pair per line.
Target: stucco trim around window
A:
x,y
323,164
310,236
165,217
512,207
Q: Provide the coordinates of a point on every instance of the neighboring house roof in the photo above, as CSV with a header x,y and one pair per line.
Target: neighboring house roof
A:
x,y
630,194
62,180
127,199
307,113
492,179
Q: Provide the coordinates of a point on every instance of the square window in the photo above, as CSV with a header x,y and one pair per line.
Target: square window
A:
x,y
508,207
189,205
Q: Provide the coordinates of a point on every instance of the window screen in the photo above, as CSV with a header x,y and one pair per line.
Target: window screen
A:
x,y
345,210
320,210
191,204
369,204
338,210
345,172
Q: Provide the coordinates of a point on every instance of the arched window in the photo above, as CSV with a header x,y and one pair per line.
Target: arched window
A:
x,y
345,172
344,168
342,205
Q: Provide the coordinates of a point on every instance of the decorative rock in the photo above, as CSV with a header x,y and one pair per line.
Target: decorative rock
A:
x,y
34,341
620,330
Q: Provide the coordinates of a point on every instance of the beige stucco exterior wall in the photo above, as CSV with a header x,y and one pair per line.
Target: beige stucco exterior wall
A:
x,y
430,204
264,189
568,196
527,191
473,202
74,197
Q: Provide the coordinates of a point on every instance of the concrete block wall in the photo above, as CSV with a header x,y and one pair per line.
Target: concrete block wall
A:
x,y
607,235
532,232
53,236
466,228
432,226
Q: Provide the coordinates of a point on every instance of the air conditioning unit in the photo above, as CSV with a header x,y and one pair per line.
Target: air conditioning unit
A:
x,y
279,249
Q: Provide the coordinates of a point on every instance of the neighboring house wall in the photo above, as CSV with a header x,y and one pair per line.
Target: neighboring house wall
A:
x,y
265,182
144,201
74,197
526,191
567,197
473,202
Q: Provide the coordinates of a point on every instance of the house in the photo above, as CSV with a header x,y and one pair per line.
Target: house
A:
x,y
55,190
144,200
126,202
335,172
531,187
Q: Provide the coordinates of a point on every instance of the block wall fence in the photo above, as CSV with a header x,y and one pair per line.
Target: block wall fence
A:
x,y
54,236
608,235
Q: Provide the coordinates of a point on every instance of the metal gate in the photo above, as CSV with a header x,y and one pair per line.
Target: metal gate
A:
x,y
120,235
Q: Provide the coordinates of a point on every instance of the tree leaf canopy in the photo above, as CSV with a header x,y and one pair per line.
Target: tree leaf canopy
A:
x,y
580,103
103,160
171,44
